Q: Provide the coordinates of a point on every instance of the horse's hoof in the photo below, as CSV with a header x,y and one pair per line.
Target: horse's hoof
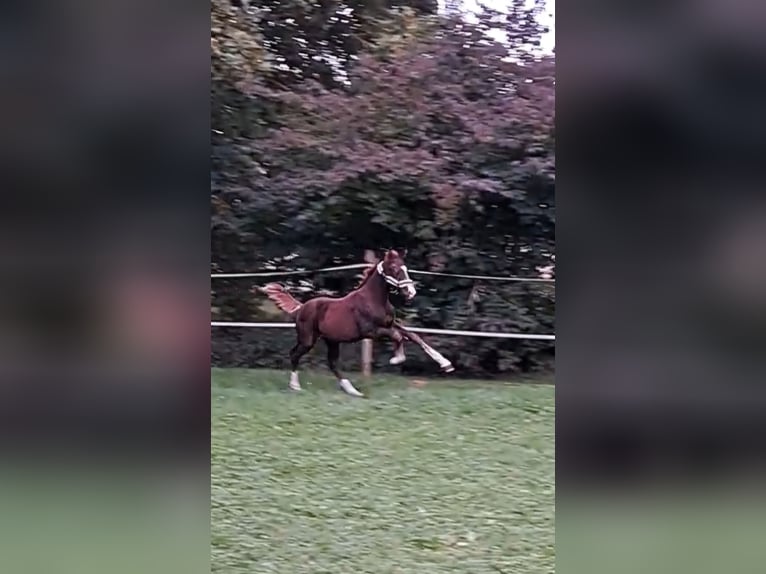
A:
x,y
397,360
448,368
346,386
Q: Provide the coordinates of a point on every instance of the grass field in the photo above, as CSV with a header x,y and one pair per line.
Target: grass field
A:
x,y
446,477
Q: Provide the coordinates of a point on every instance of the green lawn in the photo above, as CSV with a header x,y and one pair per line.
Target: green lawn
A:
x,y
448,477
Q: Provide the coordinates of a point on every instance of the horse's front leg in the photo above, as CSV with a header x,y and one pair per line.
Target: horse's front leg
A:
x,y
443,362
398,339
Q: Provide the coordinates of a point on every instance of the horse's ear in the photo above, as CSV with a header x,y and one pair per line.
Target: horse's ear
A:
x,y
370,256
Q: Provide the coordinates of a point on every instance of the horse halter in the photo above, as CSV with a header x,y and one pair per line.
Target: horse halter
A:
x,y
393,280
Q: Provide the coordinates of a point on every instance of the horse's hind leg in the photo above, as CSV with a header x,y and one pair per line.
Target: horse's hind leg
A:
x,y
295,356
443,362
333,354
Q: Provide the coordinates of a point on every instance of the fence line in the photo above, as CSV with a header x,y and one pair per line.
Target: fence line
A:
x,y
286,273
426,330
485,277
363,265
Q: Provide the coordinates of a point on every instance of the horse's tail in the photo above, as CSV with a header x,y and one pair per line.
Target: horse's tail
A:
x,y
282,298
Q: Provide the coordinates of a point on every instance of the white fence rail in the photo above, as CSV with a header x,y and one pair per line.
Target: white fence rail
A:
x,y
288,273
363,265
487,334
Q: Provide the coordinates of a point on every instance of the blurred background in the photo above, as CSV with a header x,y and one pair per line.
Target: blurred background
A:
x,y
341,127
104,159
104,252
660,323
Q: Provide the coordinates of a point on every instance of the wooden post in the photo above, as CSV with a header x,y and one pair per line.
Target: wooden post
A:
x,y
367,357
369,257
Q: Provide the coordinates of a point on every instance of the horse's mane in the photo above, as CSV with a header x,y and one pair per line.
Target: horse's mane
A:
x,y
366,274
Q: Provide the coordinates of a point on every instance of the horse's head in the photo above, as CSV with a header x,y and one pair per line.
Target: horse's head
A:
x,y
394,271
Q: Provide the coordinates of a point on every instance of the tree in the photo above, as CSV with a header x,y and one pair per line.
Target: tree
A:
x,y
444,130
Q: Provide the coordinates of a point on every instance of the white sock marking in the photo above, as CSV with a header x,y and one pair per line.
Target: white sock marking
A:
x,y
399,357
438,357
295,384
348,388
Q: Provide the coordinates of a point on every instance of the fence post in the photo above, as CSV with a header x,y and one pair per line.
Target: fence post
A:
x,y
367,357
369,257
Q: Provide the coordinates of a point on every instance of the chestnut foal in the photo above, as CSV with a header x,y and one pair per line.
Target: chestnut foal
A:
x,y
364,313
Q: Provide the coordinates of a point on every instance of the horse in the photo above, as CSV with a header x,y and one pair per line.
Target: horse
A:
x,y
364,313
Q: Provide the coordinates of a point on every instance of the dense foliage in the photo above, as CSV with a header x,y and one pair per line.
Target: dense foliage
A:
x,y
340,128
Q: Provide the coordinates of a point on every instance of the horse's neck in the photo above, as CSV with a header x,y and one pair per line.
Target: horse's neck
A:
x,y
376,288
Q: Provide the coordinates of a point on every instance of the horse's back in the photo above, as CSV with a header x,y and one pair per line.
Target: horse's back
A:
x,y
314,309
332,317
